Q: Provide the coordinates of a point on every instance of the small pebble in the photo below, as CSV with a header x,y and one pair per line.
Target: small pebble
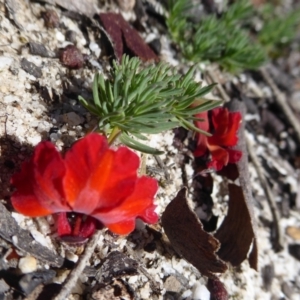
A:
x,y
51,18
72,57
172,284
27,264
293,232
72,119
94,47
126,5
71,36
200,292
71,256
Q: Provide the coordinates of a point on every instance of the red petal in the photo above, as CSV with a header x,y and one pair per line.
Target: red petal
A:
x,y
88,227
121,179
39,183
98,177
234,125
219,117
81,160
201,145
219,157
201,138
138,204
62,224
234,155
122,227
203,125
23,199
226,127
49,170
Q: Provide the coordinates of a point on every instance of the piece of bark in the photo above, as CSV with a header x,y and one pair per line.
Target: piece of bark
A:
x,y
22,239
188,238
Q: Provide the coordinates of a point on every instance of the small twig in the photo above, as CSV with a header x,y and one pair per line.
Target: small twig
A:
x,y
281,101
77,271
277,241
162,165
213,78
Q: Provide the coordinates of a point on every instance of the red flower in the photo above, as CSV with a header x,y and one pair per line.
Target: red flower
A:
x,y
91,184
224,134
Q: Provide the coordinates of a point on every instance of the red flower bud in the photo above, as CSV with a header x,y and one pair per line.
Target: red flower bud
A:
x,y
224,134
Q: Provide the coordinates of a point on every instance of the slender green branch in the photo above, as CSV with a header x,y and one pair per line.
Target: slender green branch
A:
x,y
113,135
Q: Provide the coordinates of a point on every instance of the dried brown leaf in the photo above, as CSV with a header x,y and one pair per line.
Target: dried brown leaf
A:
x,y
125,38
235,233
188,238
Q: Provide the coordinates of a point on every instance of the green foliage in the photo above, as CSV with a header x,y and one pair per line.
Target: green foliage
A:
x,y
215,39
148,100
227,39
278,32
177,21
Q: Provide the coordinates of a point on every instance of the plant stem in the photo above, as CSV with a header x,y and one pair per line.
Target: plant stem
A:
x,y
114,134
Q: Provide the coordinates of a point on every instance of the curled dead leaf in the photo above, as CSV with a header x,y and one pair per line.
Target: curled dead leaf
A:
x,y
188,238
125,38
235,233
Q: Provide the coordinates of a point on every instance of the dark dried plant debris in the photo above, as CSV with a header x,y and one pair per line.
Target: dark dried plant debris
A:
x,y
125,38
188,238
22,239
236,232
116,265
230,171
30,281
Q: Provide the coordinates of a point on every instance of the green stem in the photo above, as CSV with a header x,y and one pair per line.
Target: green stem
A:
x,y
114,134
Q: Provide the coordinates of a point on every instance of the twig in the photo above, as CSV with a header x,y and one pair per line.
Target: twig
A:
x,y
277,240
213,78
281,101
77,271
